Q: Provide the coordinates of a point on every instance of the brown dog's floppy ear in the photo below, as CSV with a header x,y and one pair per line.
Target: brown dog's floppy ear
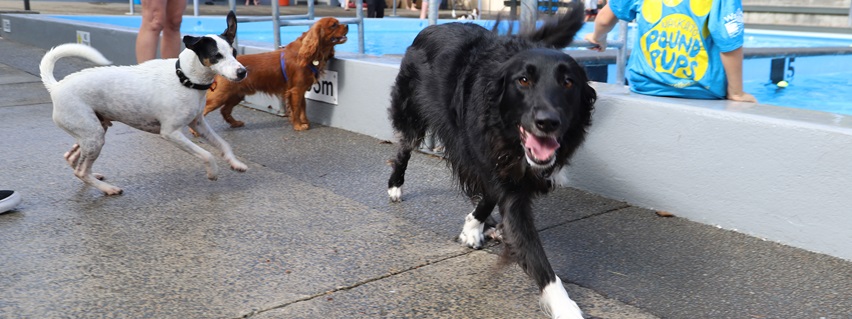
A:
x,y
310,42
231,32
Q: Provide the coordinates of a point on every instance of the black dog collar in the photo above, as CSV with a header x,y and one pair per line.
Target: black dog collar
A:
x,y
185,80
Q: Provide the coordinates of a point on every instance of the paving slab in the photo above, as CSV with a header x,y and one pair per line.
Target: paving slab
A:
x,y
24,93
10,75
174,247
469,286
682,269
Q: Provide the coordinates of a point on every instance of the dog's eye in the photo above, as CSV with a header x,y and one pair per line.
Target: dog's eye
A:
x,y
524,81
567,83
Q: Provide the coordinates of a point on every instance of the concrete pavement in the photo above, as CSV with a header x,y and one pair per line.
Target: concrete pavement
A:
x,y
308,232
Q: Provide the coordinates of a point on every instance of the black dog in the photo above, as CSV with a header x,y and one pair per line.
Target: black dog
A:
x,y
510,110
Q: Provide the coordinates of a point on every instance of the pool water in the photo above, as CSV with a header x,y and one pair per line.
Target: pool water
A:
x,y
820,83
394,35
828,93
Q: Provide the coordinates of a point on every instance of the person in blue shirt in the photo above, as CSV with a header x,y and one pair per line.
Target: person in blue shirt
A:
x,y
684,48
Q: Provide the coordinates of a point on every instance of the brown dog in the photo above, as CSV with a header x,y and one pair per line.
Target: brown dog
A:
x,y
303,59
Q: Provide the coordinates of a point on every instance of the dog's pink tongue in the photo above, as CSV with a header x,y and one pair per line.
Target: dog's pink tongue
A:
x,y
541,147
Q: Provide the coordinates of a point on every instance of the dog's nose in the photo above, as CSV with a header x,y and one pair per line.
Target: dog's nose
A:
x,y
241,73
547,121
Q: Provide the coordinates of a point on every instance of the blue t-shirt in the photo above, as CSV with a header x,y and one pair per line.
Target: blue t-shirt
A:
x,y
679,44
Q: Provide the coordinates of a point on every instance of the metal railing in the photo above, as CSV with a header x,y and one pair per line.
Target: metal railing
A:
x,y
528,17
279,21
620,44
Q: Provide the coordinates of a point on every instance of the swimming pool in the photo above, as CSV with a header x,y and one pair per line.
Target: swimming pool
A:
x,y
394,35
819,83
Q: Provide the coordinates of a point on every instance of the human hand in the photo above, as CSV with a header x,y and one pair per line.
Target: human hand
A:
x,y
598,43
742,97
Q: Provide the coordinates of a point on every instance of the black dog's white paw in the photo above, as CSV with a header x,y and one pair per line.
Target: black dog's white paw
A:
x,y
472,234
395,194
556,303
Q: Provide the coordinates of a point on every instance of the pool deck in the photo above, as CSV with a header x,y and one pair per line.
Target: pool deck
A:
x,y
292,237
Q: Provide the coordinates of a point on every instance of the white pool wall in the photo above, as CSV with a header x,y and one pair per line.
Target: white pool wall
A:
x,y
780,174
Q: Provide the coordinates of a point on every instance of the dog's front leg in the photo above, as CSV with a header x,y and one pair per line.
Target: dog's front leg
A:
x,y
524,246
181,141
298,118
203,129
473,232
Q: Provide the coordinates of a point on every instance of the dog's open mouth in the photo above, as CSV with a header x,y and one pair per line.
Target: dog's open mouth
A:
x,y
338,40
540,150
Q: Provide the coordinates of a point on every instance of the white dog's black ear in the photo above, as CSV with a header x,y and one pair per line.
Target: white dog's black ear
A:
x,y
231,32
190,41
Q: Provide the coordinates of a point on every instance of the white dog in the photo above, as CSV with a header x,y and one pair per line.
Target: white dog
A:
x,y
157,96
473,15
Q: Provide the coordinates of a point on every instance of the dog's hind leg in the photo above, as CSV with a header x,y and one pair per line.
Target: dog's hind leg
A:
x,y
473,232
410,139
73,158
411,127
88,153
200,125
89,131
524,247
397,178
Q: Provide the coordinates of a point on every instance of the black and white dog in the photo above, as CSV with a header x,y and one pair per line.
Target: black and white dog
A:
x,y
157,96
473,15
510,111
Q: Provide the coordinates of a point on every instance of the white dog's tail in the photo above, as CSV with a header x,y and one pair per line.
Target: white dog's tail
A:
x,y
66,50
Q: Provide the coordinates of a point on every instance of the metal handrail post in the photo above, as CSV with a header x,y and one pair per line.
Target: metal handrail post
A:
x,y
360,15
529,15
394,8
850,15
310,9
621,54
132,7
433,12
276,24
195,8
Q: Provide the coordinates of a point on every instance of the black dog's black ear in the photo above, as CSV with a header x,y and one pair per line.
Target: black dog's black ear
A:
x,y
190,41
231,32
588,95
